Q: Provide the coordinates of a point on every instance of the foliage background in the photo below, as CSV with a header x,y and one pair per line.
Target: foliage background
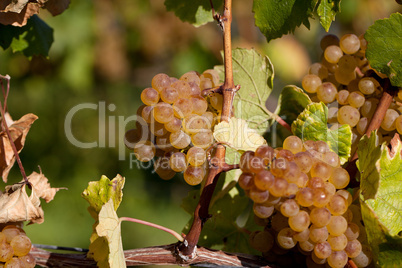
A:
x,y
109,51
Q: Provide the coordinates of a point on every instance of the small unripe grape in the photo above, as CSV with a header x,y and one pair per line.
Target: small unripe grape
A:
x,y
388,124
353,248
318,69
293,144
320,217
262,211
348,115
194,175
342,97
285,238
337,259
322,250
300,221
333,53
337,225
356,99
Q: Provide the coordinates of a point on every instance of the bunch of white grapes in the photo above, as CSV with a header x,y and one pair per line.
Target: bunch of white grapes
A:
x,y
298,191
175,124
344,80
15,247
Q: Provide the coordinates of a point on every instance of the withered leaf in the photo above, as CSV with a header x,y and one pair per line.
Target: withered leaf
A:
x,y
16,205
16,6
19,19
18,132
57,7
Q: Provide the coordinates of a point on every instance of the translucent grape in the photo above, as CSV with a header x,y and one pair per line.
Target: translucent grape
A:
x,y
278,187
279,166
321,197
307,246
305,197
256,164
321,170
302,236
369,107
337,242
246,181
180,139
182,108
200,105
362,125
205,82
333,53
320,217
327,92
195,89
262,211
322,250
292,173
194,175
318,234
367,85
261,241
342,97
356,99
347,63
191,77
279,222
285,238
266,153
245,161
346,195
300,221
289,208
196,156
293,144
174,125
203,139
183,88
27,261
163,112
352,232
315,182
21,245
398,124
337,225
212,75
144,151
364,258
317,260
169,95
388,123
348,115
264,179
318,69
162,168
258,196
332,115
160,81
337,205
344,77
149,96
146,113
6,252
13,263
311,82
331,158
194,123
292,190
157,129
216,101
303,161
329,40
353,248
349,43
178,162
339,178
330,188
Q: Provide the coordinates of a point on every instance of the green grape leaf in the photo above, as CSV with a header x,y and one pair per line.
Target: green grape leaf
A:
x,y
327,9
381,192
311,124
255,74
195,12
275,18
99,192
35,38
104,197
384,48
108,248
237,135
292,101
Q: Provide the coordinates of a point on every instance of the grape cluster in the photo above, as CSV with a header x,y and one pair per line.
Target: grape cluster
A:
x,y
175,124
15,247
301,187
345,81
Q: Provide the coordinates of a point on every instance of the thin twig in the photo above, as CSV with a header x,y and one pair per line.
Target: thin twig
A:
x,y
170,231
5,127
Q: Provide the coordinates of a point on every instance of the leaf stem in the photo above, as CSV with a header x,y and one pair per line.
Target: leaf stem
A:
x,y
170,231
229,90
5,127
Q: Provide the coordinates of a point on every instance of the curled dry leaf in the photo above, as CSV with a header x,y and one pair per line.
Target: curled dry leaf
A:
x,y
18,132
17,12
17,205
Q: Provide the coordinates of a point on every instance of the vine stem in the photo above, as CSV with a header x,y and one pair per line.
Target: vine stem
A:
x,y
375,123
170,231
218,164
5,127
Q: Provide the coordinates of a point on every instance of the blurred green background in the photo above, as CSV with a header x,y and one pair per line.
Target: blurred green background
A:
x,y
107,52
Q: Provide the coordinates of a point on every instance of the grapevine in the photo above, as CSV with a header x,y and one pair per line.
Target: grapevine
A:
x,y
313,183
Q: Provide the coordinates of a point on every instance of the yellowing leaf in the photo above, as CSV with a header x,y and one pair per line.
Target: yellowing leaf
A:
x,y
238,135
109,228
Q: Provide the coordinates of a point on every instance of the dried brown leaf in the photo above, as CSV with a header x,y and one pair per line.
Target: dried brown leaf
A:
x,y
16,6
57,7
21,18
16,205
18,132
